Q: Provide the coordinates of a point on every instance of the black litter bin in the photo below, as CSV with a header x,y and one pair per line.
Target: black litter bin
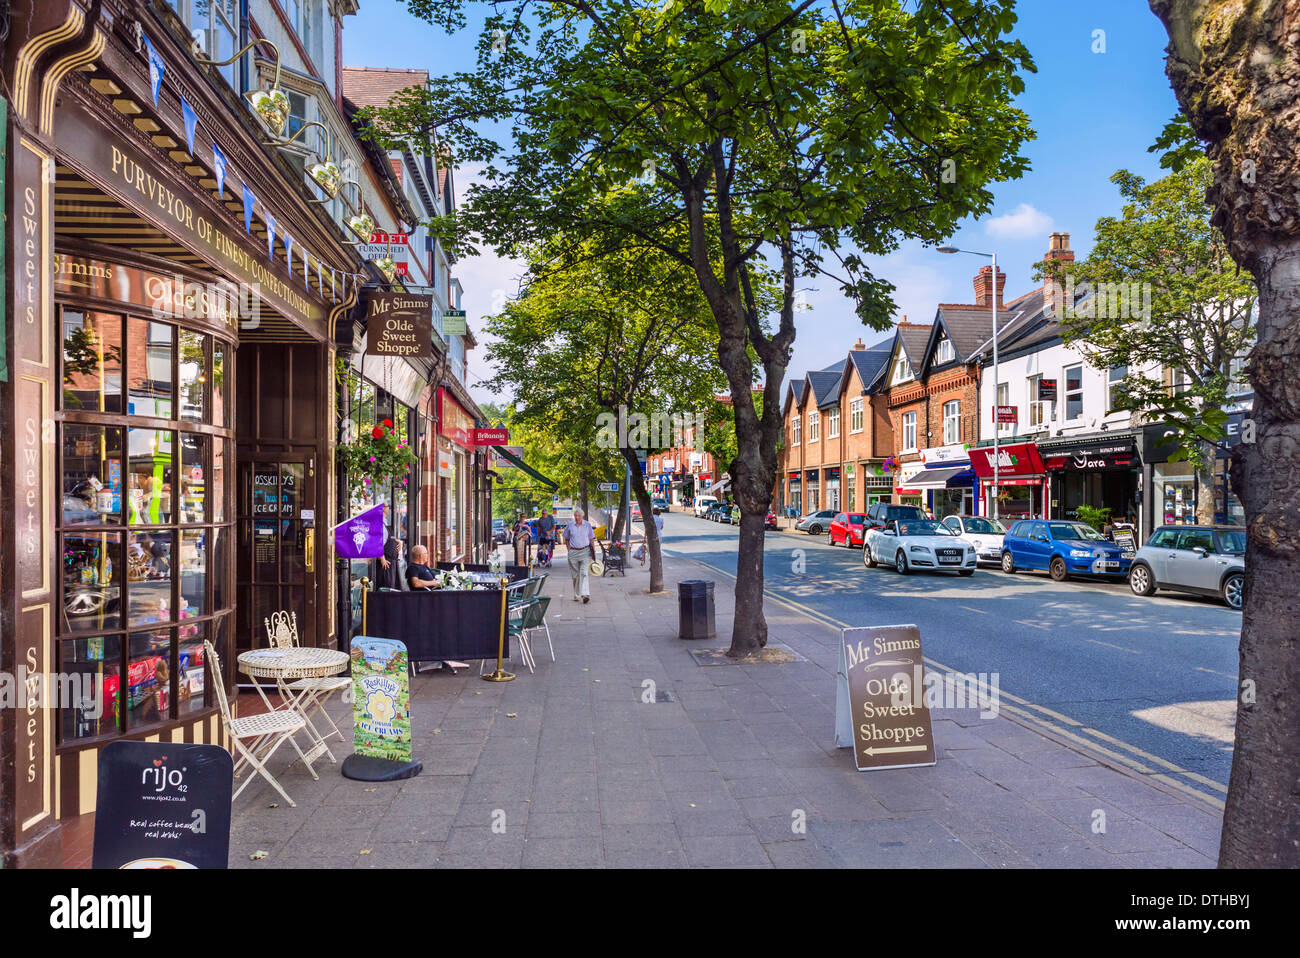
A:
x,y
695,609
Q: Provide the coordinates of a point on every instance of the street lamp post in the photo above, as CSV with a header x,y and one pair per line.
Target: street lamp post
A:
x,y
997,448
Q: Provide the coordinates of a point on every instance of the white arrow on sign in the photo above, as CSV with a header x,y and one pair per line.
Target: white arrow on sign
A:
x,y
607,486
896,748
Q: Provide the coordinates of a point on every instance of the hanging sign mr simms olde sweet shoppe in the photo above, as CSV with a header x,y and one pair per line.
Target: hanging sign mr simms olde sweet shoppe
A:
x,y
399,324
879,705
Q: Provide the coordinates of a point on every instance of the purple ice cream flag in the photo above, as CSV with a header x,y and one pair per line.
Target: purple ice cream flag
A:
x,y
362,536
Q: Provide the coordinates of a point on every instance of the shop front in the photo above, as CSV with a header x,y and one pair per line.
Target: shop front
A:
x,y
161,442
1100,472
463,533
833,487
948,481
1021,480
812,490
905,493
794,493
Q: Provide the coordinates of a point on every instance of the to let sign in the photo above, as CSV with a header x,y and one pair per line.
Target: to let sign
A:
x,y
1006,414
453,322
399,324
880,701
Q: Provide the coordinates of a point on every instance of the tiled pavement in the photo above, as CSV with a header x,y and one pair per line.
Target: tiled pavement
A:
x,y
569,768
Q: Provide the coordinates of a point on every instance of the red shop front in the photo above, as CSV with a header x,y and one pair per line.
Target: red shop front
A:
x,y
1021,480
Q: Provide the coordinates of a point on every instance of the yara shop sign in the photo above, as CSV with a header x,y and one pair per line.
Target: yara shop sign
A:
x,y
382,702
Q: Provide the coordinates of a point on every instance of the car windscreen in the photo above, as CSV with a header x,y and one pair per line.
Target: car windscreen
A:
x,y
1233,543
856,520
1073,530
982,526
922,527
903,512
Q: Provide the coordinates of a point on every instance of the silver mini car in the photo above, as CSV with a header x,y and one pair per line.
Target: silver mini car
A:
x,y
1201,560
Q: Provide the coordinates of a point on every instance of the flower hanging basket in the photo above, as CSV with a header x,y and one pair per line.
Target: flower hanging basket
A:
x,y
376,459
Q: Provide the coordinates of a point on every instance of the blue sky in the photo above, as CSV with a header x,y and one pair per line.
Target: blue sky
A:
x,y
1093,112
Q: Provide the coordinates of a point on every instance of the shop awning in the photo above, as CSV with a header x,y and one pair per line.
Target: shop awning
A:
x,y
935,478
718,486
520,464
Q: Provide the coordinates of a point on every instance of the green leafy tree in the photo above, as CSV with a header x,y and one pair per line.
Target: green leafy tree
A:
x,y
1169,307
790,136
1235,68
608,349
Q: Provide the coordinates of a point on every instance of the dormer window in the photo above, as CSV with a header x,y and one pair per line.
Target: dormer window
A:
x,y
943,352
902,369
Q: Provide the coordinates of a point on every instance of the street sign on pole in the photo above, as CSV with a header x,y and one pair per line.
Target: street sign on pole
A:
x,y
607,486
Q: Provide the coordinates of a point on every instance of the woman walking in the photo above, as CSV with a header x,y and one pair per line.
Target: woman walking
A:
x,y
578,537
523,537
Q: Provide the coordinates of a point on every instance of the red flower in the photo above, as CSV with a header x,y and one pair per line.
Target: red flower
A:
x,y
377,432
388,423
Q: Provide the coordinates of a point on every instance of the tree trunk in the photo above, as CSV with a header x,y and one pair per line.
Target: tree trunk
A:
x,y
652,542
749,587
1261,822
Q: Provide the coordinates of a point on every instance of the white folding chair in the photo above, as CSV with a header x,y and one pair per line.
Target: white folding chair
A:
x,y
282,633
266,732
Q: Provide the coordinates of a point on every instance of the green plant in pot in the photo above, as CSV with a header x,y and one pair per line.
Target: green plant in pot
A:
x,y
376,459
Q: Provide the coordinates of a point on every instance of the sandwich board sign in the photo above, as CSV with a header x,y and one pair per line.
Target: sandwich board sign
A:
x,y
163,805
381,699
880,707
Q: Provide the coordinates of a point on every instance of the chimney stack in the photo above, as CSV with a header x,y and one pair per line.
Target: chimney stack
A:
x,y
984,286
859,344
1058,250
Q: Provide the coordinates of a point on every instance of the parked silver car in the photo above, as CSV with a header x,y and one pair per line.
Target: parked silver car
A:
x,y
1201,560
815,523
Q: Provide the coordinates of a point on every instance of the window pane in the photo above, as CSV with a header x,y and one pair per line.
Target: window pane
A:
x,y
149,568
92,582
219,390
92,475
219,461
189,678
92,361
292,556
96,663
151,346
193,573
148,695
193,374
194,457
150,480
217,568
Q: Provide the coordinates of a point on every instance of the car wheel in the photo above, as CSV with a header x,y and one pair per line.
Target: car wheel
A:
x,y
1057,570
868,559
1234,588
900,563
1008,564
814,530
1140,581
965,572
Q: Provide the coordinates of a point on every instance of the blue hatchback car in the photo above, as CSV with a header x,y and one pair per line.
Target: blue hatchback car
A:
x,y
1063,548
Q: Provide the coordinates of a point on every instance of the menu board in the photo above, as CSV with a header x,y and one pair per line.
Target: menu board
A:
x,y
880,698
163,805
1125,539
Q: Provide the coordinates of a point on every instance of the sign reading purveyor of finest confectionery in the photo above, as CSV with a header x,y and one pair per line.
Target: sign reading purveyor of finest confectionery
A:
x,y
381,708
399,324
163,805
880,706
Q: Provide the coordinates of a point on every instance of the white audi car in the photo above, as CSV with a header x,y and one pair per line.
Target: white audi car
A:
x,y
983,533
910,544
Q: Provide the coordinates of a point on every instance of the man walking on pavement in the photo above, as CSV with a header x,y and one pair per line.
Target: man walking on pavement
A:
x,y
578,537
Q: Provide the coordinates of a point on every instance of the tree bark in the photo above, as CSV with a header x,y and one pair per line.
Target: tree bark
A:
x,y
1235,69
652,542
1261,822
1204,475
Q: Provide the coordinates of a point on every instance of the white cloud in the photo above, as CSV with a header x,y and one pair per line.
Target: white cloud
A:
x,y
1024,223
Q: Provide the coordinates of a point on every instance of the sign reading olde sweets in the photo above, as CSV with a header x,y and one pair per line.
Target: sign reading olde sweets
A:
x,y
880,703
399,324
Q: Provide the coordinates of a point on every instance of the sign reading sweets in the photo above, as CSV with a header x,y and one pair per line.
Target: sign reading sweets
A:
x,y
381,707
163,805
880,705
398,324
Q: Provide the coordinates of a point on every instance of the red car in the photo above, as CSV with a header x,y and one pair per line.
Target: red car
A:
x,y
769,521
846,529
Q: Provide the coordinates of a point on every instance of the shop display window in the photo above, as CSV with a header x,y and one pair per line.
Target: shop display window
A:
x,y
137,602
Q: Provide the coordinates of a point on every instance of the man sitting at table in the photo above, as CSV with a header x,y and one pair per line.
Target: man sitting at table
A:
x,y
420,576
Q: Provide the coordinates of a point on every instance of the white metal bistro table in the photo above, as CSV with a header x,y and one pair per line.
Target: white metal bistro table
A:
x,y
287,665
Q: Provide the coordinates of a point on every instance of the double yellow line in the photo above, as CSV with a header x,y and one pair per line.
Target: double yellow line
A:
x,y
1104,748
